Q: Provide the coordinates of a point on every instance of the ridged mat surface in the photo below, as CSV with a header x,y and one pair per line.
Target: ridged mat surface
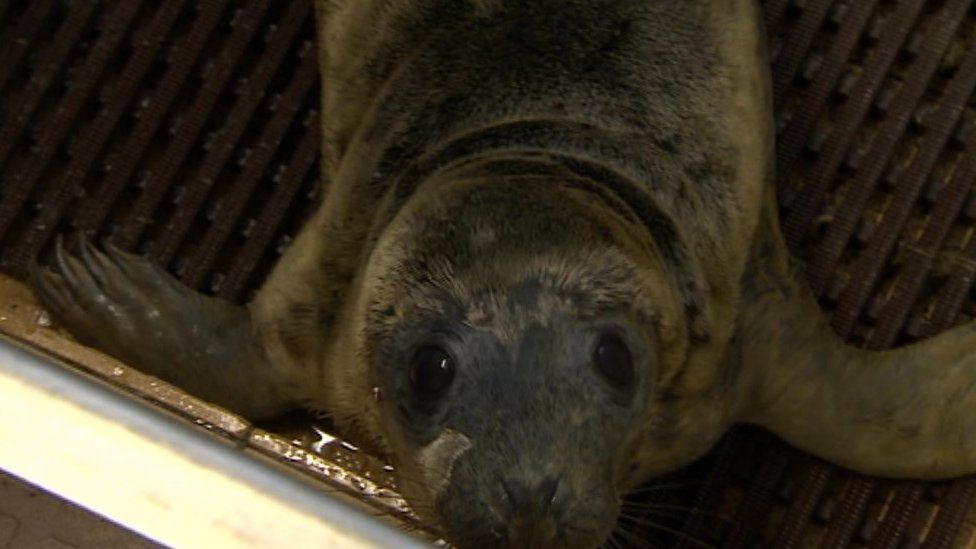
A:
x,y
187,130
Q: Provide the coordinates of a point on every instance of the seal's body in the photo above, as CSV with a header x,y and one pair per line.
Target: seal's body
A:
x,y
547,268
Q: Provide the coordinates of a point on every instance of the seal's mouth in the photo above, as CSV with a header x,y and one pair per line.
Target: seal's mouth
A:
x,y
521,508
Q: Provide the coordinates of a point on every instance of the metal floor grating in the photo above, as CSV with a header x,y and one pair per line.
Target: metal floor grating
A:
x,y
187,130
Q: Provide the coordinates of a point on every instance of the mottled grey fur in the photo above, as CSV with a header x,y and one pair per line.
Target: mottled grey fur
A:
x,y
509,179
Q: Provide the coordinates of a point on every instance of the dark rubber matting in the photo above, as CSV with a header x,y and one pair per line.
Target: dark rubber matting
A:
x,y
187,130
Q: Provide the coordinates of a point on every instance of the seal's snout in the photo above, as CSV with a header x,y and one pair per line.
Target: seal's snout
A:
x,y
529,498
532,508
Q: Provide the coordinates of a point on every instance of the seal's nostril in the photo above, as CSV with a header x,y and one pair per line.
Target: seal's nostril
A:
x,y
547,489
516,492
531,498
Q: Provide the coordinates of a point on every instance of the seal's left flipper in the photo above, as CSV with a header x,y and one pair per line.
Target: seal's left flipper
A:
x,y
908,412
133,310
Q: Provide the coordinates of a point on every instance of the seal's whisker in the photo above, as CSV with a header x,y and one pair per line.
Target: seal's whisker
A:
x,y
676,485
612,542
648,506
628,538
654,525
665,513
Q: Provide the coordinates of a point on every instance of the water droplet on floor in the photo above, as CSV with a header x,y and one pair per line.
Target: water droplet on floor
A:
x,y
324,440
43,319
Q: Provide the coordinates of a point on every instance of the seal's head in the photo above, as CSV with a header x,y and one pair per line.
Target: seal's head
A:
x,y
514,331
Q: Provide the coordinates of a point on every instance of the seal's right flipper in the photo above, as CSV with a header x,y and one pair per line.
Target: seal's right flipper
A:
x,y
132,309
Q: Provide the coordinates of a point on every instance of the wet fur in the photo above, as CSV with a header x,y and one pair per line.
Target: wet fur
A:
x,y
635,97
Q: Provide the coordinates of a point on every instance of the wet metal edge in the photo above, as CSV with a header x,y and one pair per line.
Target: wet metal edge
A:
x,y
247,494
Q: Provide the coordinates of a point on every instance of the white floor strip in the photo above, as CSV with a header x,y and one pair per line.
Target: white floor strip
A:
x,y
147,471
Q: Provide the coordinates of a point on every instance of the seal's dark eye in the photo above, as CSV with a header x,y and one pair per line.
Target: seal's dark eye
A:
x,y
431,371
613,361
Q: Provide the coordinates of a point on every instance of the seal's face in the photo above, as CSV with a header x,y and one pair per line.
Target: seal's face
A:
x,y
514,377
516,434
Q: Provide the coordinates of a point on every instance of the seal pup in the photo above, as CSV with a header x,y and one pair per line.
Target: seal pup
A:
x,y
547,267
